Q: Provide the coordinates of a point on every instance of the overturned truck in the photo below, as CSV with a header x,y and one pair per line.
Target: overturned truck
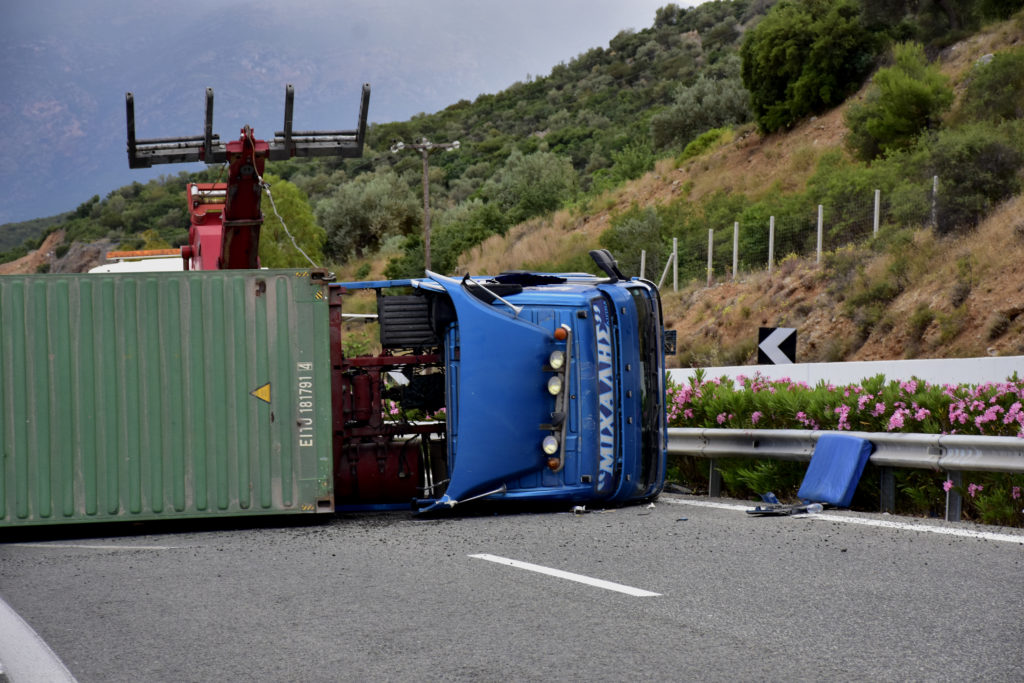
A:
x,y
230,393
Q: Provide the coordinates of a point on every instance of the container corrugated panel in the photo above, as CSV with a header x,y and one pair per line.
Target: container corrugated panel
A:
x,y
163,395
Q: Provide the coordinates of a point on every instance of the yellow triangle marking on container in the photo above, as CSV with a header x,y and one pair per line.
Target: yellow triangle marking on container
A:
x,y
262,393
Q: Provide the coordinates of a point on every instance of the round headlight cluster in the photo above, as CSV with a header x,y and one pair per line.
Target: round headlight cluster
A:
x,y
549,445
555,385
556,361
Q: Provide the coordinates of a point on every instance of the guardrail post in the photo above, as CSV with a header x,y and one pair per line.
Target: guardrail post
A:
x,y
714,480
954,502
887,494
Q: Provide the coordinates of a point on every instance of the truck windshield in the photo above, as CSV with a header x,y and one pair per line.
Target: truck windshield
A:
x,y
651,394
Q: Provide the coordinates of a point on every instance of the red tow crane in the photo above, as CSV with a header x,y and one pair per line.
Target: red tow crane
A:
x,y
225,218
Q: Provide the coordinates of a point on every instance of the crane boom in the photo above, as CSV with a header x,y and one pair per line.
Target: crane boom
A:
x,y
225,218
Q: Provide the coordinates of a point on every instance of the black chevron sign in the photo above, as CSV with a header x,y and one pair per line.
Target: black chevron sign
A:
x,y
776,345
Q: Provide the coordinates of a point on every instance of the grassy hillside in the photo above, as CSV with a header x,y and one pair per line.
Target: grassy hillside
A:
x,y
659,137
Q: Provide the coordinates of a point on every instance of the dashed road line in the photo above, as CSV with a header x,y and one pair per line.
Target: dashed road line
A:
x,y
569,576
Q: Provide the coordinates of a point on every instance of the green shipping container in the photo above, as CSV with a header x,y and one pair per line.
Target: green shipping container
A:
x,y
163,395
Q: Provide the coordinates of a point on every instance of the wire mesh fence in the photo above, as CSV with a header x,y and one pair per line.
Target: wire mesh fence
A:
x,y
755,244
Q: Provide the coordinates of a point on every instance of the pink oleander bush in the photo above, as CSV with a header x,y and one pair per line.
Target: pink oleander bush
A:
x,y
872,405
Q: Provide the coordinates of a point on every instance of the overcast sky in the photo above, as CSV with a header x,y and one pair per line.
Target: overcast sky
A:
x,y
66,64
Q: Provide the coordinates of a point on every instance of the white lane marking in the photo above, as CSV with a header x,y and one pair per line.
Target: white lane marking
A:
x,y
888,524
706,504
884,523
590,581
25,655
92,546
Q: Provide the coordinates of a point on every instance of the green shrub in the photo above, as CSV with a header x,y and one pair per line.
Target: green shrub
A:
x,y
707,104
995,89
531,185
903,100
804,57
702,143
635,230
977,168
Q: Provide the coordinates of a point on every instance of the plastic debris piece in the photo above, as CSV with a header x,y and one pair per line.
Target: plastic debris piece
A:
x,y
579,509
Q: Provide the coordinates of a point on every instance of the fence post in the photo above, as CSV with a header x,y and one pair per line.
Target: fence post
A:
x,y
821,224
878,201
664,273
675,264
643,262
771,243
711,246
935,199
735,248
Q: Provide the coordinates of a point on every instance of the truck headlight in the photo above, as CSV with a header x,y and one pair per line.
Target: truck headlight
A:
x,y
555,385
549,445
556,361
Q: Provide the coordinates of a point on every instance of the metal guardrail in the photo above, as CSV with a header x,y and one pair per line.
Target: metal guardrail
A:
x,y
950,453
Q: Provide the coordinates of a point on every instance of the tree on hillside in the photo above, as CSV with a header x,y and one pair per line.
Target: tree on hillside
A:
x,y
995,89
935,23
804,57
529,185
276,248
708,103
904,100
977,169
362,213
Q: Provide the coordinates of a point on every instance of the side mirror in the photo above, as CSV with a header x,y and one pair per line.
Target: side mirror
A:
x,y
604,260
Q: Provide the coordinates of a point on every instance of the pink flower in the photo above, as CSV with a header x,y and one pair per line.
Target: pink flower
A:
x,y
973,489
1015,493
722,417
844,417
755,417
896,421
947,485
879,409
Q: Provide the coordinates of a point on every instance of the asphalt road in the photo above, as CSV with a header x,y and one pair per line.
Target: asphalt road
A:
x,y
390,597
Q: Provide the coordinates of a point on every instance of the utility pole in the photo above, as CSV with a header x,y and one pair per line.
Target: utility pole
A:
x,y
425,147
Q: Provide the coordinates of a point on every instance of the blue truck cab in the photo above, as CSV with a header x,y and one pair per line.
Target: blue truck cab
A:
x,y
552,389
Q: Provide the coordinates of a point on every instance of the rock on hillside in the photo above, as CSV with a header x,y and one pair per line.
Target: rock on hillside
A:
x,y
79,258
